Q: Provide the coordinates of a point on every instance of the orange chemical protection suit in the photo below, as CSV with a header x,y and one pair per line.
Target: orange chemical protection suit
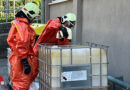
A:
x,y
49,35
21,40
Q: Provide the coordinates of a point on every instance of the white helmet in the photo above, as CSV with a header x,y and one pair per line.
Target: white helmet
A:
x,y
31,10
69,17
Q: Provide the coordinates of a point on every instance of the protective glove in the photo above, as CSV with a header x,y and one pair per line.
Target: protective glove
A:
x,y
64,32
27,68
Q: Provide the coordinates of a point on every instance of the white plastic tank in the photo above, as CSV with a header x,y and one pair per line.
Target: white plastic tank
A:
x,y
64,67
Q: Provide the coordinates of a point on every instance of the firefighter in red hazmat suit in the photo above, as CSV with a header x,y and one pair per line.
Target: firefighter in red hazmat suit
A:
x,y
21,38
57,31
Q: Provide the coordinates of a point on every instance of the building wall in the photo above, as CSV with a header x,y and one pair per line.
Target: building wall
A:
x,y
105,22
61,9
108,22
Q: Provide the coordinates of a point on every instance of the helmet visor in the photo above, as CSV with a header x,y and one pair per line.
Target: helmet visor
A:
x,y
72,23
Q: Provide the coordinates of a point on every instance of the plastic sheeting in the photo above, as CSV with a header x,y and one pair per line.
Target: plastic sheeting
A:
x,y
34,86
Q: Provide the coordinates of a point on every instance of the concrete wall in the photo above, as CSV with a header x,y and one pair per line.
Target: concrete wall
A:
x,y
105,22
4,29
61,9
108,22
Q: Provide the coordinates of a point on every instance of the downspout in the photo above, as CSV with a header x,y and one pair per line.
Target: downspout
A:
x,y
42,11
118,82
78,10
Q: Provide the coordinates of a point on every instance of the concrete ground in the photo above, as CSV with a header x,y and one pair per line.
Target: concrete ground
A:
x,y
4,72
4,88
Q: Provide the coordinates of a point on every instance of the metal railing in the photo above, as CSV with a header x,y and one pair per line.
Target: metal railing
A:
x,y
7,15
116,84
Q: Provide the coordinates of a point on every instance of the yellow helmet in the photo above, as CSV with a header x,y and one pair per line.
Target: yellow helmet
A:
x,y
31,10
69,17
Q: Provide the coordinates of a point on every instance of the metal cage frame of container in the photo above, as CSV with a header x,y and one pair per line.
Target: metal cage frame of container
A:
x,y
44,74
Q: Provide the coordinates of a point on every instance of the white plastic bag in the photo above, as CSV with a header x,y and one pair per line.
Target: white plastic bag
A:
x,y
34,86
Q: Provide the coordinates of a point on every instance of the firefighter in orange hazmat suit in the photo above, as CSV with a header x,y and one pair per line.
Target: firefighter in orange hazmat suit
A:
x,y
21,38
57,31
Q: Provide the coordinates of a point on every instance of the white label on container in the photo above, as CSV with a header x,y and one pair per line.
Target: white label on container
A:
x,y
74,75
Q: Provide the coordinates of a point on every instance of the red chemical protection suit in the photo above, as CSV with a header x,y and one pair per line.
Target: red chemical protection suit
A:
x,y
21,40
49,35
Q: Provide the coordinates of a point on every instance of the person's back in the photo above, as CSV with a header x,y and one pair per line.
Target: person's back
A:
x,y
56,31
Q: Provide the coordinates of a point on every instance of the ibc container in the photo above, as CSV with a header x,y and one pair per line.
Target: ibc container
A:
x,y
73,67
